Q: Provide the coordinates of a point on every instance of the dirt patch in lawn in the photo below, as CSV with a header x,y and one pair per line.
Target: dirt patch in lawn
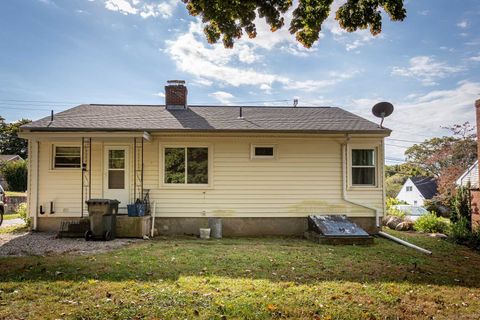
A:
x,y
42,244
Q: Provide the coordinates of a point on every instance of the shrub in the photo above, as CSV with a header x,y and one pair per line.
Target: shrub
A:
x,y
393,202
459,231
430,223
461,206
22,210
396,213
15,173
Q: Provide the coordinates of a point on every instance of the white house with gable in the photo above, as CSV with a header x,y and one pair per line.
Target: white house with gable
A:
x,y
418,189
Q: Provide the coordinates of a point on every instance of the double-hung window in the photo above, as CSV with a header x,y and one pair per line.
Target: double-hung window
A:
x,y
363,167
186,165
66,157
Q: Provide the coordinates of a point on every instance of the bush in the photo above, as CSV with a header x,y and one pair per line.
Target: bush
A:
x,y
430,223
461,206
396,213
459,231
22,210
15,173
393,211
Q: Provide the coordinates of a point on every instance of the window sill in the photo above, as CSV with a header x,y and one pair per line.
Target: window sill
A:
x,y
65,170
186,186
363,188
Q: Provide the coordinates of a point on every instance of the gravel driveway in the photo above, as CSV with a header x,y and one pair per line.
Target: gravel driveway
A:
x,y
43,243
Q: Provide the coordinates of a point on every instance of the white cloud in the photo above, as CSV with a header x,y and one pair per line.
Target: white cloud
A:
x,y
232,67
315,85
222,96
424,12
266,88
422,116
159,94
426,69
123,6
475,58
163,9
462,24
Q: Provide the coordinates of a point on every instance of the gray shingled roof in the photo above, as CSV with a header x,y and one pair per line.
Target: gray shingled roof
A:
x,y
426,185
89,117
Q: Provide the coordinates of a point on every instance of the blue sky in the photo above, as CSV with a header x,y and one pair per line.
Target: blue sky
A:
x,y
56,54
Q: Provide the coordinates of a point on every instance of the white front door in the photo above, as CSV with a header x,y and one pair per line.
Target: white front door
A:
x,y
116,182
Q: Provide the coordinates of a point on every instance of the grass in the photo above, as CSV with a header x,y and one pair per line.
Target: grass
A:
x,y
13,229
11,216
261,278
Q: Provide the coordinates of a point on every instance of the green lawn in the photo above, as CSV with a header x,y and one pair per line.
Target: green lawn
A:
x,y
259,278
11,216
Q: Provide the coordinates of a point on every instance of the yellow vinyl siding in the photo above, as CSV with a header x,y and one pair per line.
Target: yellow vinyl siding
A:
x,y
305,178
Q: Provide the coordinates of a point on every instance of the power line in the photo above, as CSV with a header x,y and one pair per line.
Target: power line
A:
x,y
396,145
42,101
402,140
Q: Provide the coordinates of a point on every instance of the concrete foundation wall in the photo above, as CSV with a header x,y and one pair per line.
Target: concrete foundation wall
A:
x,y
233,227
53,224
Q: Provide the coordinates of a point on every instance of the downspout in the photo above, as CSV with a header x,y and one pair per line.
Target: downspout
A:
x,y
384,191
37,189
344,184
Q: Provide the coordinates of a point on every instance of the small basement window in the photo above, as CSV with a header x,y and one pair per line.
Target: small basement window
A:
x,y
66,157
263,152
363,167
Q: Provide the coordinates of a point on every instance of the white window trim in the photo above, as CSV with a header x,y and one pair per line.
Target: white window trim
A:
x,y
262,145
186,185
378,166
54,154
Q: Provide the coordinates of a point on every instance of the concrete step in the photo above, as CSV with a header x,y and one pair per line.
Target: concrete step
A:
x,y
339,240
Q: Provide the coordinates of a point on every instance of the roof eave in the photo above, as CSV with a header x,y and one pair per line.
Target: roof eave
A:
x,y
383,132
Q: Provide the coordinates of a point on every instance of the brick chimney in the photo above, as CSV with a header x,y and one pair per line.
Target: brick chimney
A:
x,y
176,95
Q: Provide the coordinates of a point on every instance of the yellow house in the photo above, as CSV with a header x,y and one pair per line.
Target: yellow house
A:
x,y
263,170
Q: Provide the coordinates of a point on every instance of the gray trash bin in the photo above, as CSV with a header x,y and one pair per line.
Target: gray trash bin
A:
x,y
102,214
215,225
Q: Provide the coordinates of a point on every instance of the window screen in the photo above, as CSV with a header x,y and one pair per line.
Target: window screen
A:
x,y
116,169
67,157
363,167
186,165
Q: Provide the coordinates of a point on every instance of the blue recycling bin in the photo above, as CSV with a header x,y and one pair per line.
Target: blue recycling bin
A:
x,y
136,209
132,210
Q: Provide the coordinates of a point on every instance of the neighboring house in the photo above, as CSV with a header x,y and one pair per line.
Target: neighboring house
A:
x,y
469,177
418,189
475,190
263,170
9,157
4,158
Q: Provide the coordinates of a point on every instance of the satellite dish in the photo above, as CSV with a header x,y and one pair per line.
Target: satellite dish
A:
x,y
382,110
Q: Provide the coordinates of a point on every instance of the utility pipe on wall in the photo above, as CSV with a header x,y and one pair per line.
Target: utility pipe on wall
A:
x,y
153,219
345,182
